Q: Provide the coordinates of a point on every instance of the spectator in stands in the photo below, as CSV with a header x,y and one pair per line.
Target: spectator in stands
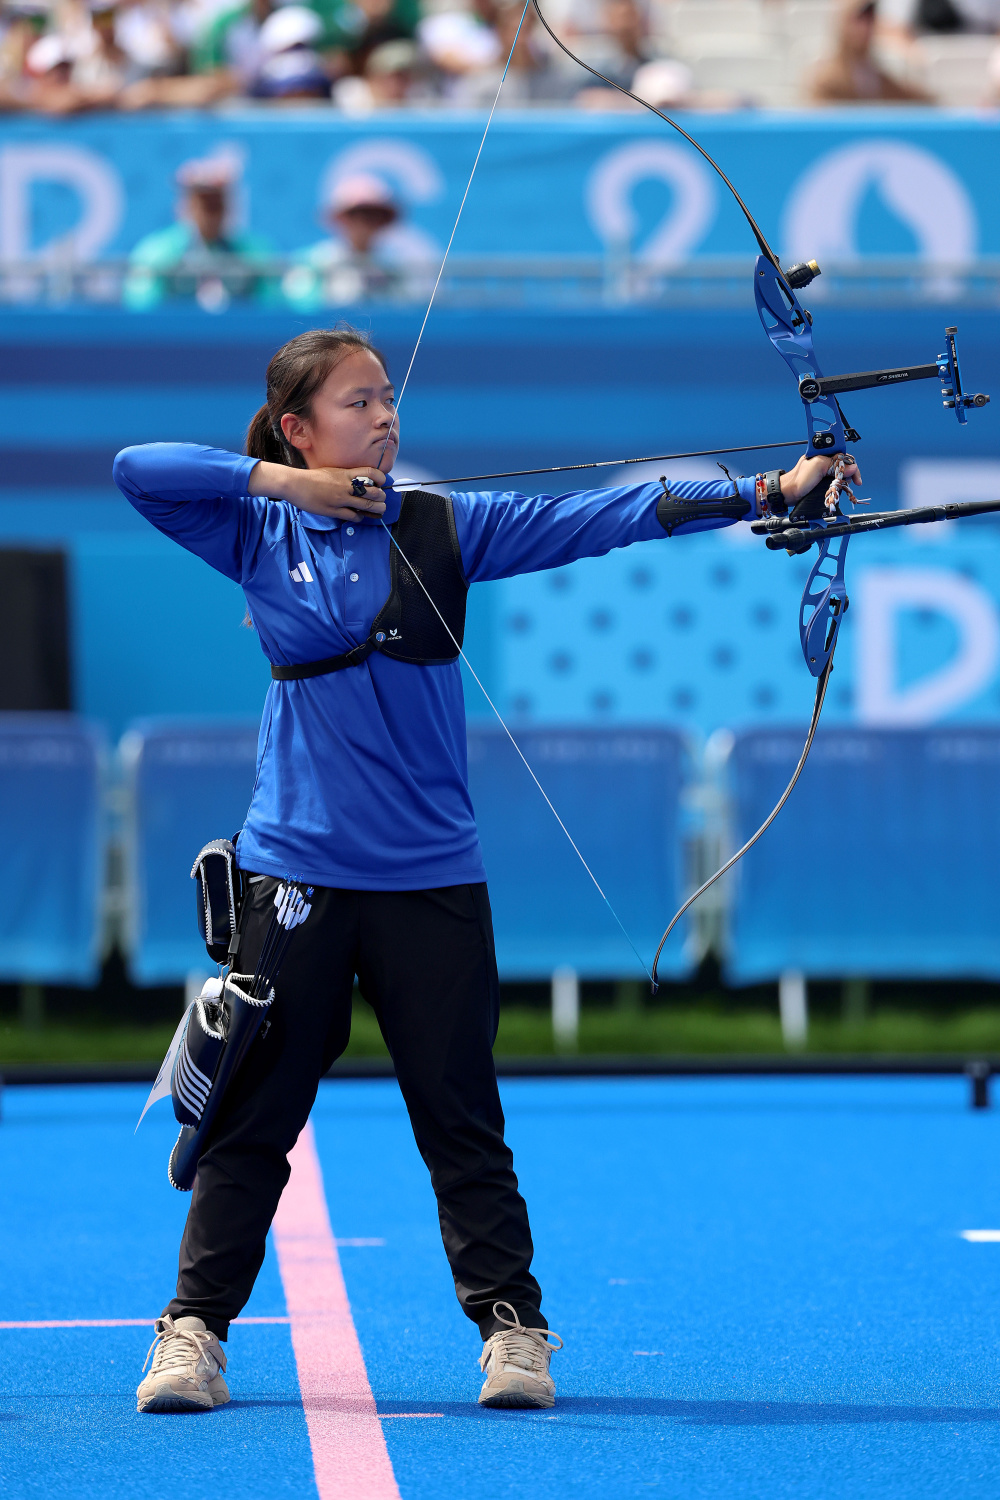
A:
x,y
201,257
369,254
228,43
52,87
913,16
458,44
620,45
288,68
851,75
391,79
535,75
22,23
357,30
145,32
101,65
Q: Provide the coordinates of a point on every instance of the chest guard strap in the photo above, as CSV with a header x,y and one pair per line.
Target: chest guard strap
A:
x,y
406,627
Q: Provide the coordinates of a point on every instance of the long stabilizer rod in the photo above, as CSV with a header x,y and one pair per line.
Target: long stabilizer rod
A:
x,y
783,534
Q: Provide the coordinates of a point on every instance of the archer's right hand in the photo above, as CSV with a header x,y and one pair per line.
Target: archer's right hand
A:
x,y
323,492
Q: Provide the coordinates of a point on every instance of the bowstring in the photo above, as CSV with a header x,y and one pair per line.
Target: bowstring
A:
x,y
451,239
503,725
416,575
824,676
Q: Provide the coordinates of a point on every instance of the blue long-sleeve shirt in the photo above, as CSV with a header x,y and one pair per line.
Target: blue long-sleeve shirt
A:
x,y
361,774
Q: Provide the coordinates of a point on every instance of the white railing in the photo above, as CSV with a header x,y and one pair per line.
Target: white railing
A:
x,y
474,281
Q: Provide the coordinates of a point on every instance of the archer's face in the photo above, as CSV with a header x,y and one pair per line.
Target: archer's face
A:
x,y
351,417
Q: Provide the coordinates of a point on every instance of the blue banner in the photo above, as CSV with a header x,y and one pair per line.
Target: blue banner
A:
x,y
837,185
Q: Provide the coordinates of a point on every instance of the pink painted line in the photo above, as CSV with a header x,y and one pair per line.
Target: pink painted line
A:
x,y
112,1322
350,1457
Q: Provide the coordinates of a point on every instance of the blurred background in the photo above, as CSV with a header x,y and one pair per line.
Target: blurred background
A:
x,y
183,186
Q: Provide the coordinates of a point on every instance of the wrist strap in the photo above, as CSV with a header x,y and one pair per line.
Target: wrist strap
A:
x,y
769,493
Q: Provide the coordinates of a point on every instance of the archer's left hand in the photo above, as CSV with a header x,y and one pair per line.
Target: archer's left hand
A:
x,y
809,472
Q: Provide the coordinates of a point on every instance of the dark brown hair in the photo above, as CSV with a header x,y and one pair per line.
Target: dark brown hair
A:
x,y
294,376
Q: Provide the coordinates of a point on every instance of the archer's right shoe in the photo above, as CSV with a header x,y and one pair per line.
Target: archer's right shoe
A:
x,y
186,1373
516,1362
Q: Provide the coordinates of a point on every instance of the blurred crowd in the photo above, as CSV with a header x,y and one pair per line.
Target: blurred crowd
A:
x,y
358,56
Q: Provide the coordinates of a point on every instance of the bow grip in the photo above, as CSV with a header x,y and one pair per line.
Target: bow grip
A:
x,y
824,603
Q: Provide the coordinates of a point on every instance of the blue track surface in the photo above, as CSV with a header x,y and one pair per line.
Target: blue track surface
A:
x,y
787,1254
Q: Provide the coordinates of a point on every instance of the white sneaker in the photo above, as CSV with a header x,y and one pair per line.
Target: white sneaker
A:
x,y
516,1361
186,1373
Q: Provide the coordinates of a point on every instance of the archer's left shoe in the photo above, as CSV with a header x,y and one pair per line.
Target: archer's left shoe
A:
x,y
188,1362
516,1361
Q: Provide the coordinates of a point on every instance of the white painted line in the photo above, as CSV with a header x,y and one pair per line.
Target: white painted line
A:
x,y
981,1236
388,1416
111,1322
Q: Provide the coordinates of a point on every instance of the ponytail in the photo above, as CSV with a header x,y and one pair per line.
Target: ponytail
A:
x,y
262,441
294,376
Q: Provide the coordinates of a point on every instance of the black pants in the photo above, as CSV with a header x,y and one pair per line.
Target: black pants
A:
x,y
425,962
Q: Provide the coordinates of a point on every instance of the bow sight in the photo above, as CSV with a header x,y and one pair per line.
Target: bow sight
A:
x,y
945,367
789,327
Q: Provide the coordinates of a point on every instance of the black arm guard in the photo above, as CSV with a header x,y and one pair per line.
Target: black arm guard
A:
x,y
672,512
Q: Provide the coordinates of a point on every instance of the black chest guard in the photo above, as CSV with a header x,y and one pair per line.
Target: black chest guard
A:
x,y
406,627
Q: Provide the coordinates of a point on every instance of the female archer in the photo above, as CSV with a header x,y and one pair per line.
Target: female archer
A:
x,y
362,792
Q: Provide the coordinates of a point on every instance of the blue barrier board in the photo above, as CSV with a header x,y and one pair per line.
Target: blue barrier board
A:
x,y
52,847
618,792
188,783
883,863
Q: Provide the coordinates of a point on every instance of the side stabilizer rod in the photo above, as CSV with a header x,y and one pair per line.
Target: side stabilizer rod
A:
x,y
945,368
812,387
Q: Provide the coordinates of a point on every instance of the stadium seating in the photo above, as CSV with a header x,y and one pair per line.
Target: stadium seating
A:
x,y
618,791
956,69
52,838
883,863
187,783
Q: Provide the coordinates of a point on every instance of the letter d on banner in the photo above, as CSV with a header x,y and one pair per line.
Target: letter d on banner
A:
x,y
882,594
94,181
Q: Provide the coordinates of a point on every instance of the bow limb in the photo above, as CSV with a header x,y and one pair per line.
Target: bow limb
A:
x,y
758,235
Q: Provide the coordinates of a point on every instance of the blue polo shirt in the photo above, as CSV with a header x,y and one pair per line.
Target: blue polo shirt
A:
x,y
361,775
